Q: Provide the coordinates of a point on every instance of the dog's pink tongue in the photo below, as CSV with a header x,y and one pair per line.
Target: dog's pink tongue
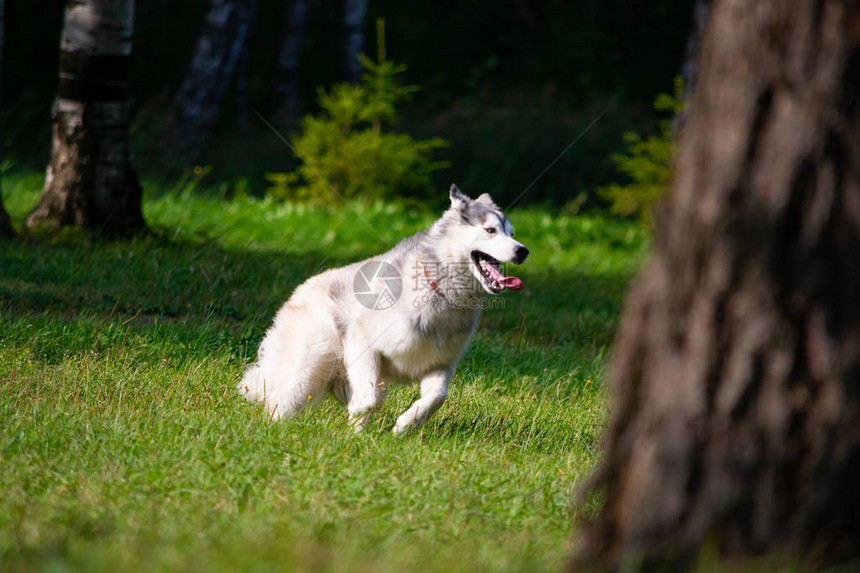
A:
x,y
512,283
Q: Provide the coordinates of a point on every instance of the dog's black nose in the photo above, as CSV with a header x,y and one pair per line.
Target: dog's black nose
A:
x,y
521,252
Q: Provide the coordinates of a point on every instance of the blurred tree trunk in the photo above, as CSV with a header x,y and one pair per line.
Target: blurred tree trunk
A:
x,y
213,63
353,38
242,100
90,179
5,224
289,59
735,382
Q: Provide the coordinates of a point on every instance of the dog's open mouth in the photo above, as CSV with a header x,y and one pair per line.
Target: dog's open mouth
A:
x,y
493,278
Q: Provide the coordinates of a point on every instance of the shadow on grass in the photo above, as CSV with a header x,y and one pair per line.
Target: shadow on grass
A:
x,y
143,283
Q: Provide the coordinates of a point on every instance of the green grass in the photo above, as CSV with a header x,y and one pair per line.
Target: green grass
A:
x,y
123,445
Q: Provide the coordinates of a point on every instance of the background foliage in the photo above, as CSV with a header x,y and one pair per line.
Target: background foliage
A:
x,y
646,163
508,90
346,151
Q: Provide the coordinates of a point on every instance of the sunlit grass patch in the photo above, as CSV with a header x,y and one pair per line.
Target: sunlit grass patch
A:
x,y
125,446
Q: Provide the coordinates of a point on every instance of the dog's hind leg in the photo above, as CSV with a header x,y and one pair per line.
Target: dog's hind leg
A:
x,y
306,385
434,390
297,362
252,386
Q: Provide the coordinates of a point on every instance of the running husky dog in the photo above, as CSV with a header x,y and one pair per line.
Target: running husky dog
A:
x,y
405,315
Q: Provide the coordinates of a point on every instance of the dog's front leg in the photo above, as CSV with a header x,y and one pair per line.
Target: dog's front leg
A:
x,y
434,390
365,391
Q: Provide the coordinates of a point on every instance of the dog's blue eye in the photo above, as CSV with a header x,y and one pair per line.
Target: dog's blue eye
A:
x,y
490,230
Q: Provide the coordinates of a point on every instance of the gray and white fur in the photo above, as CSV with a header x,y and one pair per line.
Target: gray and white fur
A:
x,y
325,339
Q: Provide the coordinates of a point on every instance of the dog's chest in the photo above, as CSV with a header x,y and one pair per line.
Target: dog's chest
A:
x,y
426,344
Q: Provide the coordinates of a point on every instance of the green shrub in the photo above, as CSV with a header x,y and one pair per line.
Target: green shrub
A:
x,y
646,163
346,151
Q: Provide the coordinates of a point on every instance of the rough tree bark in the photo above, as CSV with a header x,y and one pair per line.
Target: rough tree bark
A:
x,y
91,180
735,384
286,81
5,224
353,38
213,63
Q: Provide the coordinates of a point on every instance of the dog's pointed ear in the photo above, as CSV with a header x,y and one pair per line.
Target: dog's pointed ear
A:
x,y
486,200
457,197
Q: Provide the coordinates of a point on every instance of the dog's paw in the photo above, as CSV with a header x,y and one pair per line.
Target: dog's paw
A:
x,y
401,428
357,423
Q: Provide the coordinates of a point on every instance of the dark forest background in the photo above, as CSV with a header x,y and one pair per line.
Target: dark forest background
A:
x,y
508,83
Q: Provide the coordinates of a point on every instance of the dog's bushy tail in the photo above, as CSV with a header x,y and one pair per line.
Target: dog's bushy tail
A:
x,y
253,386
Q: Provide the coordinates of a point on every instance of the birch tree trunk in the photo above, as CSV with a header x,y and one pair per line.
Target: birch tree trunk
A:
x,y
5,224
91,180
212,67
289,59
735,383
353,38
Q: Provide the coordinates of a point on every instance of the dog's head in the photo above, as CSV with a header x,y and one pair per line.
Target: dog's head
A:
x,y
485,240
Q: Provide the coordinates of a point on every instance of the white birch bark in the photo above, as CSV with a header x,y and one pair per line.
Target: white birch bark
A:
x,y
90,180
